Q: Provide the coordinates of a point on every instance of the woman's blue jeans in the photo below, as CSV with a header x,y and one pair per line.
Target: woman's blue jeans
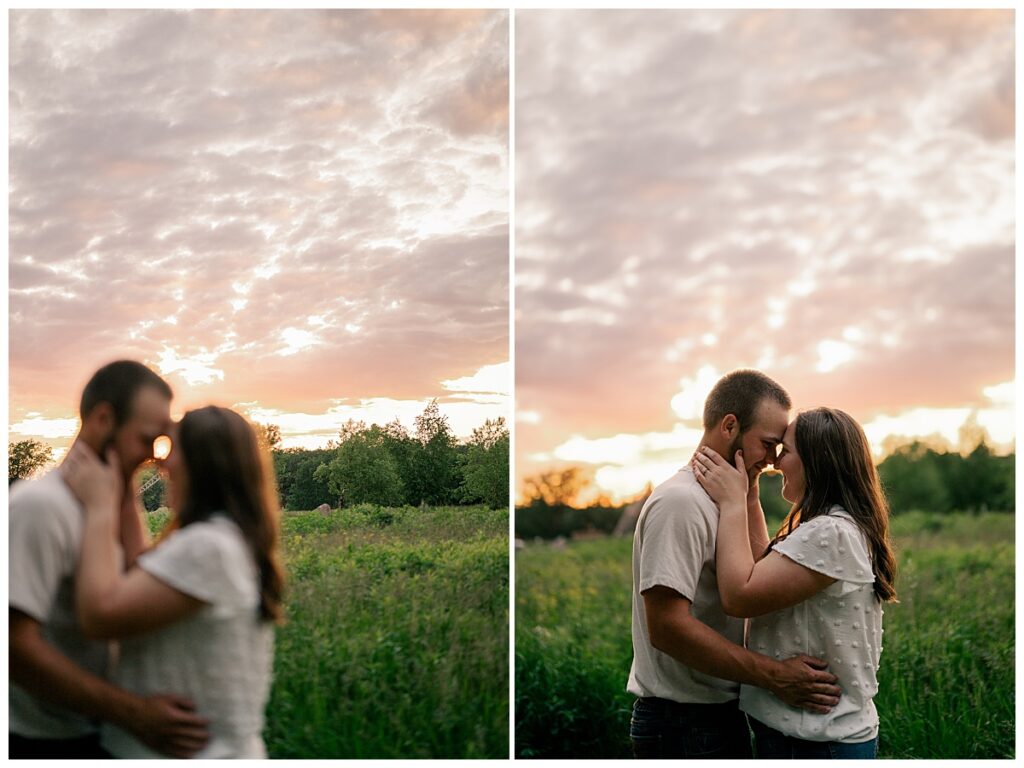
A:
x,y
773,745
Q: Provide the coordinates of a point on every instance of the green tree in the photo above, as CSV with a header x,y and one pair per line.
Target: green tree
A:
x,y
913,478
403,449
485,465
434,475
269,436
982,482
155,495
363,471
775,507
297,484
25,458
556,487
552,502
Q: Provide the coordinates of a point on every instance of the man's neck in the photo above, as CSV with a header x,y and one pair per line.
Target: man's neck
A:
x,y
91,442
717,445
96,444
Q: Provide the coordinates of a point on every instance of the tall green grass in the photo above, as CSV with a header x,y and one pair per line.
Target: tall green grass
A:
x,y
396,643
947,675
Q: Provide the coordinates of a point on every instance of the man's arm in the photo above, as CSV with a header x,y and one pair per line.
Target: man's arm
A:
x,y
168,724
800,681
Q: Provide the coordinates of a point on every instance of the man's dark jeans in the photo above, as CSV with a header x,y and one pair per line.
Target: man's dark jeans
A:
x,y
667,729
84,748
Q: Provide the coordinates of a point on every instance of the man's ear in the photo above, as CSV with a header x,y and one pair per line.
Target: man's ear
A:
x,y
730,426
101,418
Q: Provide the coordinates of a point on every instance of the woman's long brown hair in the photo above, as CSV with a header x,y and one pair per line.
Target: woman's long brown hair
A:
x,y
838,470
229,472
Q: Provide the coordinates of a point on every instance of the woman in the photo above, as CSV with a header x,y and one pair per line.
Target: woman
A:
x,y
196,612
818,589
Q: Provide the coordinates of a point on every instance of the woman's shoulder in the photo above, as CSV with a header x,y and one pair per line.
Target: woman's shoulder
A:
x,y
216,537
210,557
833,544
835,519
217,527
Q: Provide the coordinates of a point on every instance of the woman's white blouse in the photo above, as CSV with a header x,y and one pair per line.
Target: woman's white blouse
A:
x,y
841,625
220,657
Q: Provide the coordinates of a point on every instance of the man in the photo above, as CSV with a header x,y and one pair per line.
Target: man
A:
x,y
688,655
58,692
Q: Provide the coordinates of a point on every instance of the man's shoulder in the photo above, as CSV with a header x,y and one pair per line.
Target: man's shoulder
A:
x,y
46,494
681,488
680,494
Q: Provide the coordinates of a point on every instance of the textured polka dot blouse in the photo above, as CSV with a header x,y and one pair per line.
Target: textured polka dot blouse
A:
x,y
841,624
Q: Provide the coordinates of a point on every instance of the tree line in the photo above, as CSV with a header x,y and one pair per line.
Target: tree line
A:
x,y
914,476
386,465
389,466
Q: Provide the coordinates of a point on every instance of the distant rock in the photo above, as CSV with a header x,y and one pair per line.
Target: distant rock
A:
x,y
324,509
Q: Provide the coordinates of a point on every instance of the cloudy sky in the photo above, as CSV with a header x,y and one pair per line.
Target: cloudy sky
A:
x,y
303,214
826,196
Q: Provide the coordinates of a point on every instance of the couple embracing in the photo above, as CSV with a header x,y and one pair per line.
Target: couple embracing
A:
x,y
193,613
801,673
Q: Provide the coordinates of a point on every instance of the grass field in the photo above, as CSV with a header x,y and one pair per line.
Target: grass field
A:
x,y
396,644
947,675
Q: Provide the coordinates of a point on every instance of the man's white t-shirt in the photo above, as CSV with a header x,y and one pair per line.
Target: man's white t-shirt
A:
x,y
220,657
674,546
46,526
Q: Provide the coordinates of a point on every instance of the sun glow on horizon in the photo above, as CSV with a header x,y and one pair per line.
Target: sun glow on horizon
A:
x,y
623,464
490,379
36,425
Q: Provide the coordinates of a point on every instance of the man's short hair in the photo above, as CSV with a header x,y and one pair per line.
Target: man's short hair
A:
x,y
740,393
117,383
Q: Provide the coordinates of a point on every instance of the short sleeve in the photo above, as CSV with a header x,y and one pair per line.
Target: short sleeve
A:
x,y
832,545
42,551
676,537
205,560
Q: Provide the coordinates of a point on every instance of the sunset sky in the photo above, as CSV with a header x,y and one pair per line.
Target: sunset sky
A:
x,y
826,196
303,214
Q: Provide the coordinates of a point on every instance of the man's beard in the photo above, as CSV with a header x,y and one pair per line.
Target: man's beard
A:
x,y
110,441
107,444
736,445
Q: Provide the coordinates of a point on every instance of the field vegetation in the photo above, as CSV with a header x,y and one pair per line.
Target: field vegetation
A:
x,y
947,674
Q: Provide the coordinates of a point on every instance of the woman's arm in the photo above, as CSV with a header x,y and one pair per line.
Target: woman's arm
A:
x,y
758,529
134,536
111,603
747,588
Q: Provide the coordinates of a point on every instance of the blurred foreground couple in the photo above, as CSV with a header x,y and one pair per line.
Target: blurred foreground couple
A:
x,y
194,613
801,673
